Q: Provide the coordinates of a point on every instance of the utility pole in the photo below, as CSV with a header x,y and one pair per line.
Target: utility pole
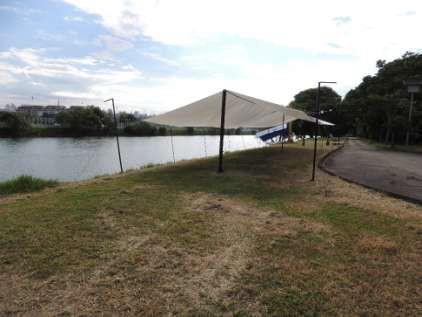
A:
x,y
413,86
409,120
317,113
116,133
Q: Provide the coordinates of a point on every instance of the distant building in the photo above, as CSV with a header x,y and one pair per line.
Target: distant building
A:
x,y
31,110
54,109
76,107
41,115
9,108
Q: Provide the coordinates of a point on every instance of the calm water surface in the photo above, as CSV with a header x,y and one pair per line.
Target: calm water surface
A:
x,y
69,159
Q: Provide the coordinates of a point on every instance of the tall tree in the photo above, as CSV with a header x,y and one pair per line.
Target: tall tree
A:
x,y
305,100
85,119
13,123
379,106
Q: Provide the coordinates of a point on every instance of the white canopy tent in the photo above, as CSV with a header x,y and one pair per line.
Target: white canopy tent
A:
x,y
241,111
229,110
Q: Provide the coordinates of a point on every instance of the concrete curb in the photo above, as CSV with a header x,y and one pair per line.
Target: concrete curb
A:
x,y
322,167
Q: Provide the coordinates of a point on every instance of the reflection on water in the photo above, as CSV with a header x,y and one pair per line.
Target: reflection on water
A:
x,y
69,159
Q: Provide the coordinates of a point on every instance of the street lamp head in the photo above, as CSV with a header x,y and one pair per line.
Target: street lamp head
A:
x,y
413,85
327,82
108,100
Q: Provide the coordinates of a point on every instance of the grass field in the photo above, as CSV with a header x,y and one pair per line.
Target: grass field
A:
x,y
259,239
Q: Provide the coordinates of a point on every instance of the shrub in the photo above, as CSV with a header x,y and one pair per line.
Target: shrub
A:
x,y
25,184
141,128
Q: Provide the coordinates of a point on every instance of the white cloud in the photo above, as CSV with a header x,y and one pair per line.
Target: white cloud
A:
x,y
360,32
113,44
73,19
19,10
159,58
75,77
372,26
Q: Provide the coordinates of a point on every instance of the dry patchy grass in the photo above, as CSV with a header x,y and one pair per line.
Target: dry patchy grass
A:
x,y
259,239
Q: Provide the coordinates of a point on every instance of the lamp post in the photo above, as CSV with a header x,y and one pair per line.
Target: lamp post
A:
x,y
316,124
413,86
117,135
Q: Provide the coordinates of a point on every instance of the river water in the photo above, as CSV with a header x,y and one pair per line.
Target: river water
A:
x,y
70,159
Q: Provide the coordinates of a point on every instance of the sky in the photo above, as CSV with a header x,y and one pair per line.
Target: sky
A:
x,y
156,55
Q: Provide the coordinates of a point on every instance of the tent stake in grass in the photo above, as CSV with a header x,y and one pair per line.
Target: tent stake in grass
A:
x,y
316,125
117,135
223,118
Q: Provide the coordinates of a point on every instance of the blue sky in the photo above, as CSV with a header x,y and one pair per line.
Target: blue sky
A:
x,y
157,55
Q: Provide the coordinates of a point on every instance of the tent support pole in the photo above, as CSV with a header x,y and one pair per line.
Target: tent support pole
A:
x,y
223,118
172,145
282,134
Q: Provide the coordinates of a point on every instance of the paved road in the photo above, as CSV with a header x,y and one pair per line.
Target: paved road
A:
x,y
395,172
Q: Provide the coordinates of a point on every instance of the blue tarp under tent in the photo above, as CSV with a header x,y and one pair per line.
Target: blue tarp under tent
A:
x,y
281,131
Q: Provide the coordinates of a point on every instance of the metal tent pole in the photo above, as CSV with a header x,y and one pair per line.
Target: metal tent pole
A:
x,y
116,132
282,132
223,118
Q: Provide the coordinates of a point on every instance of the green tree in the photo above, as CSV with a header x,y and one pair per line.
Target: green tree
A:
x,y
12,123
379,106
85,119
305,100
190,130
140,129
162,131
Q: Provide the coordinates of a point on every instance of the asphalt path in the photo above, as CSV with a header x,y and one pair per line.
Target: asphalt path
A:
x,y
398,173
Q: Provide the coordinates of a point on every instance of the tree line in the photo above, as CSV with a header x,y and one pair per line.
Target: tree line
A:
x,y
377,109
93,121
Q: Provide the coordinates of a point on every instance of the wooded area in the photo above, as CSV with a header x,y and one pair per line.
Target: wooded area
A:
x,y
378,108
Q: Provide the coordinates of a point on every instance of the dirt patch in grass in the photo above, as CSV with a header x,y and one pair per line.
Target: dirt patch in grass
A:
x,y
376,243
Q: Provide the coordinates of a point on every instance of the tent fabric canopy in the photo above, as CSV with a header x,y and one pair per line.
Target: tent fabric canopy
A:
x,y
241,112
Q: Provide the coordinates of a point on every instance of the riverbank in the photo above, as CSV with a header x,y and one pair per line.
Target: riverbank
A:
x,y
259,239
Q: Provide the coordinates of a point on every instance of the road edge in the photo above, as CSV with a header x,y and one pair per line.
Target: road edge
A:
x,y
322,167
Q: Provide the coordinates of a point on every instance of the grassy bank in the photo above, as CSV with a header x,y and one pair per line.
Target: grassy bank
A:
x,y
25,184
259,239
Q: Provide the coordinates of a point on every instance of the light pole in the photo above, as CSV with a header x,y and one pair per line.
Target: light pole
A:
x,y
316,124
413,87
115,131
